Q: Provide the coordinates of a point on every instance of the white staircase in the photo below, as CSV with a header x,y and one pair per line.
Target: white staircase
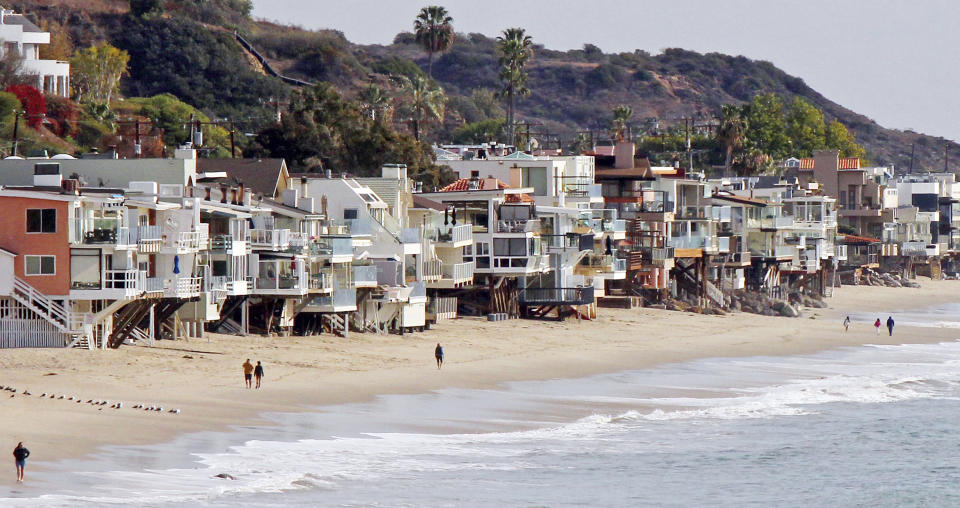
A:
x,y
53,313
336,322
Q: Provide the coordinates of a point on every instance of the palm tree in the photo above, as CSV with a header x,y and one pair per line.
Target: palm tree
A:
x,y
425,102
732,130
515,48
621,115
375,103
434,32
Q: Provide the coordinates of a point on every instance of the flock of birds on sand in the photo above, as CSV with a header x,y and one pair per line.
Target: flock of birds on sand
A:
x,y
92,402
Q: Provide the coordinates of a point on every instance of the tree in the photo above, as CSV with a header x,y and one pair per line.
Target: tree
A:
x,y
732,130
375,103
805,128
425,102
61,43
34,104
434,32
142,8
11,70
837,137
515,48
621,115
766,130
95,72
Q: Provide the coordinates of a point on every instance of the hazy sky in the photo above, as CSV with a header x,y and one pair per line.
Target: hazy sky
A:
x,y
893,61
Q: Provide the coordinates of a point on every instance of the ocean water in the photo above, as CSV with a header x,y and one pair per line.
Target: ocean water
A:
x,y
864,426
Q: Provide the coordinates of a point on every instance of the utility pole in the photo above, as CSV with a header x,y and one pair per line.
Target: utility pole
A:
x,y
16,127
913,148
946,155
686,128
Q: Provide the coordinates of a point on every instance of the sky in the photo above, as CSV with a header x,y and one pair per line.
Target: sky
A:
x,y
894,61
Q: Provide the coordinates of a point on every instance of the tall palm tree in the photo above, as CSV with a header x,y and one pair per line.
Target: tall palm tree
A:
x,y
425,102
516,49
732,132
434,32
621,115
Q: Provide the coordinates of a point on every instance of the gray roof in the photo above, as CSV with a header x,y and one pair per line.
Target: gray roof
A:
x,y
20,19
387,189
260,175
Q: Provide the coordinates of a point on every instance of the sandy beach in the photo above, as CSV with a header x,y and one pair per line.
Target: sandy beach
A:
x,y
203,377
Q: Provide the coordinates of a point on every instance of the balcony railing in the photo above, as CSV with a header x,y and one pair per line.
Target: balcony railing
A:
x,y
321,281
583,190
294,282
518,226
184,287
127,280
102,231
776,222
274,239
568,242
452,234
149,234
332,246
432,269
458,271
365,276
556,296
410,235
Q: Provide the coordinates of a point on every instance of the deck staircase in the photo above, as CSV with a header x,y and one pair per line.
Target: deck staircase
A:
x,y
335,323
53,314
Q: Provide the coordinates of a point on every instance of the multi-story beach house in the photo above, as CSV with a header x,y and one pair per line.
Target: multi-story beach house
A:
x,y
21,36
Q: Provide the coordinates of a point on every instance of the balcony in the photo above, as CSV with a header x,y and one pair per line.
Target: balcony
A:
x,y
337,249
227,243
103,232
149,238
270,239
518,226
583,190
342,300
773,223
453,236
365,276
432,271
183,287
453,275
321,282
187,242
114,285
529,297
228,285
568,243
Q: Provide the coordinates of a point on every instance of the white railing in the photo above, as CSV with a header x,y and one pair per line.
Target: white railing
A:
x,y
458,271
53,311
518,226
298,240
102,231
149,233
153,285
322,280
127,280
188,241
432,269
185,287
455,234
296,283
270,238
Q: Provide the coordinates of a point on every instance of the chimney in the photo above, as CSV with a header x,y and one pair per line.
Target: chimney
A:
x,y
623,155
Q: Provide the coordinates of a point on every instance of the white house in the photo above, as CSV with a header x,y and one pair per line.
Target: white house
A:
x,y
19,34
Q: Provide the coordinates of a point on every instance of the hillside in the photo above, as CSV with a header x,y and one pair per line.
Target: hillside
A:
x,y
190,52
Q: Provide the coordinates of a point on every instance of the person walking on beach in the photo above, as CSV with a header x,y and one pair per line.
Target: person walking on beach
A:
x,y
438,353
258,373
248,372
846,324
890,325
876,324
20,454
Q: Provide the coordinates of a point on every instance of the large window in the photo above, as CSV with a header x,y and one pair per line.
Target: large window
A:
x,y
85,269
41,265
513,247
350,213
42,220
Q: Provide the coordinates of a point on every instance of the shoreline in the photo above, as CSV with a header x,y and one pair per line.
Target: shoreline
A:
x,y
202,377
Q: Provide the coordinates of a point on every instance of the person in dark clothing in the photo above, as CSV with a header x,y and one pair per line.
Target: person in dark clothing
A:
x,y
20,454
258,373
439,354
609,245
890,325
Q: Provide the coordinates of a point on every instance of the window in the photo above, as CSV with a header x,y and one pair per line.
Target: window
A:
x,y
350,213
42,220
41,265
85,269
219,268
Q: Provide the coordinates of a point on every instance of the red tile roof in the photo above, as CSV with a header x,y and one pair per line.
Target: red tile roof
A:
x,y
848,163
463,184
806,163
